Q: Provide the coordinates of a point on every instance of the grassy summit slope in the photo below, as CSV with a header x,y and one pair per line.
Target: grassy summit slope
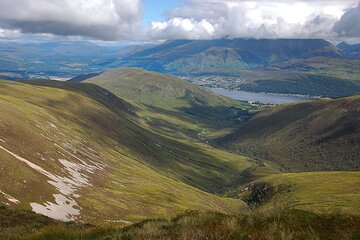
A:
x,y
158,90
170,104
311,136
71,156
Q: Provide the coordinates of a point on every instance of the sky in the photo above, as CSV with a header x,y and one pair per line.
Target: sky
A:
x,y
152,20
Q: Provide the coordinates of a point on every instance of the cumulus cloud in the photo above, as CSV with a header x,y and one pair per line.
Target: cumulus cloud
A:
x,y
101,19
176,28
193,19
257,18
349,24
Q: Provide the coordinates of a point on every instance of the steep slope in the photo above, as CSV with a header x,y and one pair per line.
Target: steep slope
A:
x,y
171,101
180,56
319,135
76,152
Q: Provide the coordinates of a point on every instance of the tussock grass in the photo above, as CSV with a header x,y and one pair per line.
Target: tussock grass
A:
x,y
282,224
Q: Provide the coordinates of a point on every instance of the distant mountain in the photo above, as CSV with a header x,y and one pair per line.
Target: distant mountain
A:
x,y
311,136
58,59
191,56
317,76
350,50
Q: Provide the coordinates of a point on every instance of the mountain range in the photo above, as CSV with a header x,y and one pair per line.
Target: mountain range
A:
x,y
287,66
128,153
195,56
350,50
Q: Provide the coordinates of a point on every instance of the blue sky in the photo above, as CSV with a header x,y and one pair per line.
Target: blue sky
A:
x,y
154,9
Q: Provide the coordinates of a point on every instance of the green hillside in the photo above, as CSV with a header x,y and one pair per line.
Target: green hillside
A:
x,y
318,192
77,152
311,136
171,104
158,90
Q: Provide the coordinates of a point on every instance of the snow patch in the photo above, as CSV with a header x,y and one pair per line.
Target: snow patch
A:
x,y
64,209
75,170
61,209
10,198
97,165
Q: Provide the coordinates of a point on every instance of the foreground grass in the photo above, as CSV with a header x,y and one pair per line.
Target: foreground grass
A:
x,y
275,223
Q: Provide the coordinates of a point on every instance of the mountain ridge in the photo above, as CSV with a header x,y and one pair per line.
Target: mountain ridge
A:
x,y
311,136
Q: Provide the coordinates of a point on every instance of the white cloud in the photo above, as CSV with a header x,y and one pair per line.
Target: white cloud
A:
x,y
194,19
256,18
177,28
349,24
102,19
9,34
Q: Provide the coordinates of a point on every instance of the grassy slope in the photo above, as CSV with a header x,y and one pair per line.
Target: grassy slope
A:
x,y
319,192
131,184
157,90
136,173
311,136
318,111
190,161
171,102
